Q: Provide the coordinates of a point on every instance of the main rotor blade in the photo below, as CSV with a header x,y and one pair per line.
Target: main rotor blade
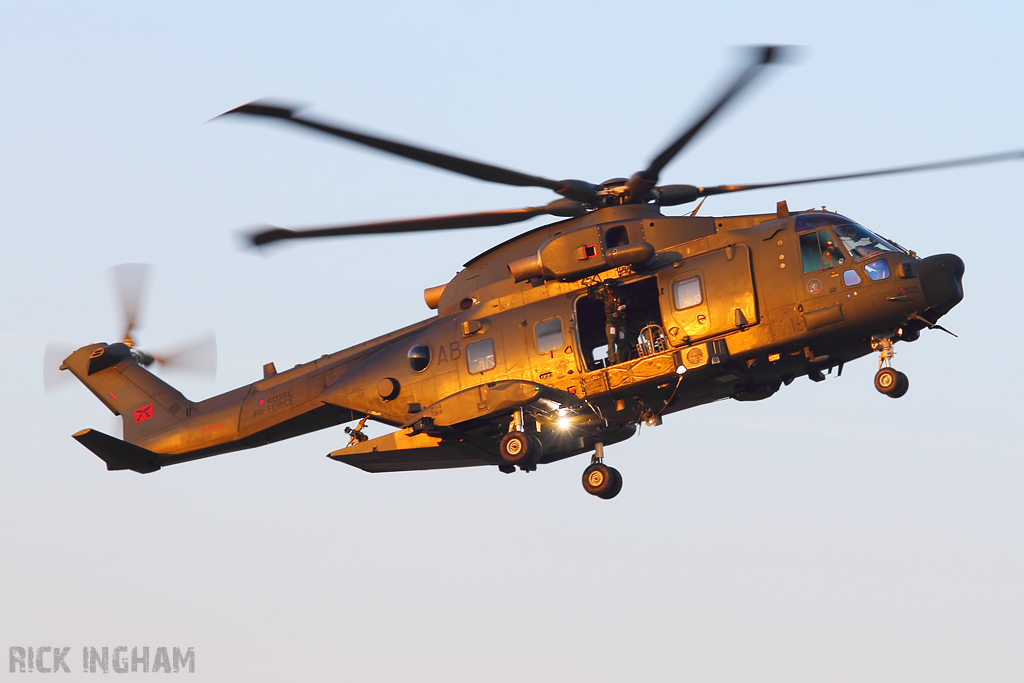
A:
x,y
130,284
562,207
933,166
642,182
574,189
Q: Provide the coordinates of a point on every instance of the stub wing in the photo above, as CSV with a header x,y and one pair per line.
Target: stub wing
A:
x,y
401,452
461,430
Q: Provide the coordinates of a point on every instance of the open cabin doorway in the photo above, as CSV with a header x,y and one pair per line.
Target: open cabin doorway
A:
x,y
619,322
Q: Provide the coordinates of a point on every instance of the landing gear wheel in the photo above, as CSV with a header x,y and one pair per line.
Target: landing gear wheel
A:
x,y
520,449
902,385
602,481
616,485
533,457
887,381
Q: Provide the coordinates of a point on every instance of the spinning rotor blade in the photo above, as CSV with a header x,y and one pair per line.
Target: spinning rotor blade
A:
x,y
562,207
574,189
642,181
130,283
681,194
53,377
198,355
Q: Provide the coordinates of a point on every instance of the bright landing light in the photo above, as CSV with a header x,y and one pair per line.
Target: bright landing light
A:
x,y
563,423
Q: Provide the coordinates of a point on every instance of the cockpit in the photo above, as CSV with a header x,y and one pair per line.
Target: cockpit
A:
x,y
859,242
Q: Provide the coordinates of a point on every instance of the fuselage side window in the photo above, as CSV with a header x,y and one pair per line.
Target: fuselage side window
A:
x,y
549,335
480,356
686,293
419,357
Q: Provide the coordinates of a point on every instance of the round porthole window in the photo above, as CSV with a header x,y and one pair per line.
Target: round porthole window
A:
x,y
419,357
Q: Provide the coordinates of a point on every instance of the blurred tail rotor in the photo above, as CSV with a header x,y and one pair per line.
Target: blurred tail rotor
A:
x,y
130,284
53,378
198,355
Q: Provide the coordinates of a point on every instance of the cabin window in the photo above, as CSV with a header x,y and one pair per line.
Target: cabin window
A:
x,y
549,335
851,279
877,270
686,293
819,251
480,356
419,357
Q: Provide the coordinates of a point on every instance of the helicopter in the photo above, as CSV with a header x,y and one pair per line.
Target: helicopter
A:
x,y
564,339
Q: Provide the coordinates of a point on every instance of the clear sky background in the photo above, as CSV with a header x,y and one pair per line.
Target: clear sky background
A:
x,y
828,533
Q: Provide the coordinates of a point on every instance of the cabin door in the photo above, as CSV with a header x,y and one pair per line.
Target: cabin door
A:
x,y
708,295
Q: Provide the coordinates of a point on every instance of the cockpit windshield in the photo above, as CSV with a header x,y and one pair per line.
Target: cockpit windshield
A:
x,y
861,242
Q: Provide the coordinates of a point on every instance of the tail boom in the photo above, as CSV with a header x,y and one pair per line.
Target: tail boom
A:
x,y
162,427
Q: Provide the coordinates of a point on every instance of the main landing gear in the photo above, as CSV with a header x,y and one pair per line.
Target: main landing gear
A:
x,y
519,448
599,479
522,449
888,381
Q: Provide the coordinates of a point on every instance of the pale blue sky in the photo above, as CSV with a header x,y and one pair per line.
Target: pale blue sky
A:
x,y
829,533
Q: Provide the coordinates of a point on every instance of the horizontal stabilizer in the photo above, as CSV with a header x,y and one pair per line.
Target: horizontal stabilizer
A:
x,y
119,455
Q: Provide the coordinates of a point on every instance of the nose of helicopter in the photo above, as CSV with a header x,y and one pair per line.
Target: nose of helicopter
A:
x,y
942,281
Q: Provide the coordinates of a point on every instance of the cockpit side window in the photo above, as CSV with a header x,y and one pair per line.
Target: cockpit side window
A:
x,y
819,251
861,242
877,270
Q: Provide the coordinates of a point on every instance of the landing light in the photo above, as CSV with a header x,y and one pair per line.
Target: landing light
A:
x,y
563,423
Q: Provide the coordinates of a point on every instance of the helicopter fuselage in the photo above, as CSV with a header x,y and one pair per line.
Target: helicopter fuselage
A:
x,y
725,307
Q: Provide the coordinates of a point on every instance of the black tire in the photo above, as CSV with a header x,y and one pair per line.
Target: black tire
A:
x,y
887,381
902,386
616,484
517,448
538,448
529,464
598,480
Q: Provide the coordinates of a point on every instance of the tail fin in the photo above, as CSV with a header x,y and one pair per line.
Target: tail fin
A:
x,y
146,403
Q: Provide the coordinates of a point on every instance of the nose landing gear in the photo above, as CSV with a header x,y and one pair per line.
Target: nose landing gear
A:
x,y
888,381
599,479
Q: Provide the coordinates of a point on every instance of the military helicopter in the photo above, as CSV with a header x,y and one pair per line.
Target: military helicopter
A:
x,y
563,339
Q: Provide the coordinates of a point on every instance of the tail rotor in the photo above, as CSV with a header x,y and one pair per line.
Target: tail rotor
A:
x,y
130,280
